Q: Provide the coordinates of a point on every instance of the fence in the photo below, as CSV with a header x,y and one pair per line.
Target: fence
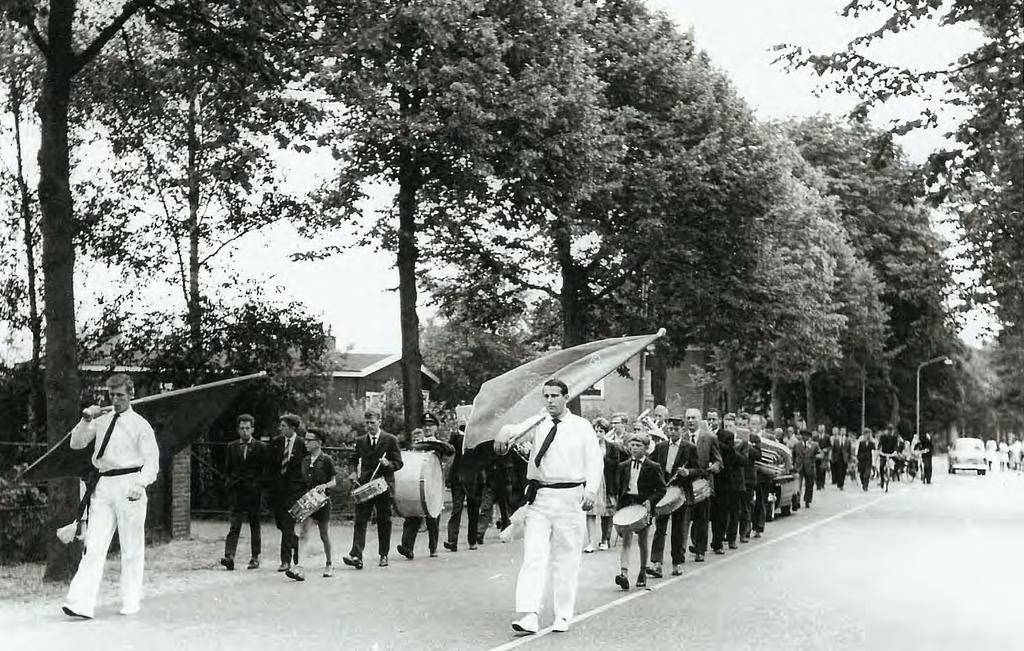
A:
x,y
210,498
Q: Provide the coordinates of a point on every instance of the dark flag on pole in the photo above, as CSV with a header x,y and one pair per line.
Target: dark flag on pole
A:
x,y
178,418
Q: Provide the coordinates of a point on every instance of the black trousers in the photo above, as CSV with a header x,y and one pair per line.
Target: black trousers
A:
x,y
839,473
725,509
471,498
819,475
381,506
411,528
492,496
760,511
808,489
286,524
681,519
926,468
699,526
742,524
864,470
245,505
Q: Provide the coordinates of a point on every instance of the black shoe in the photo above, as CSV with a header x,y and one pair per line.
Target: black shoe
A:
x,y
693,549
353,561
473,545
655,572
699,558
718,550
228,562
71,613
405,551
622,581
733,545
745,539
452,547
383,561
254,564
641,581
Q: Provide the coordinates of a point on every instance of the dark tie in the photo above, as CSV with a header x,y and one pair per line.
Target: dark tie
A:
x,y
636,466
373,441
106,436
547,442
245,451
287,455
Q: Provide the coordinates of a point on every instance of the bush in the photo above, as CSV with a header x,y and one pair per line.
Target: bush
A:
x,y
23,520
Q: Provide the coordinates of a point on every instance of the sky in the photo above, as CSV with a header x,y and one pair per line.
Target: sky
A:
x,y
353,292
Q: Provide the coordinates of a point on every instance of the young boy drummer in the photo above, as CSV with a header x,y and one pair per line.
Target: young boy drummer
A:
x,y
641,481
319,474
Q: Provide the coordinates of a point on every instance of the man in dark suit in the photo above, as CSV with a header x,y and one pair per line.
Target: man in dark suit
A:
x,y
725,502
245,461
747,454
840,455
709,460
373,448
289,485
678,460
824,453
641,482
808,467
466,489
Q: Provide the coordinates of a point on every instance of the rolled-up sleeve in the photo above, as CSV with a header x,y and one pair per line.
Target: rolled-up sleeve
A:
x,y
150,453
82,434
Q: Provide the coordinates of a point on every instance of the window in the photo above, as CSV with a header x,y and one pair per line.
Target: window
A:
x,y
596,391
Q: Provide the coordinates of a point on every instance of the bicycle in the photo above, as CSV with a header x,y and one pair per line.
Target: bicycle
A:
x,y
886,470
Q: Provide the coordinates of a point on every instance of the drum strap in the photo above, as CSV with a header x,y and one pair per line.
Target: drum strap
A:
x,y
534,485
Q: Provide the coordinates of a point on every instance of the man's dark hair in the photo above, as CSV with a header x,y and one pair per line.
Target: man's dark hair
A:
x,y
553,382
245,418
293,421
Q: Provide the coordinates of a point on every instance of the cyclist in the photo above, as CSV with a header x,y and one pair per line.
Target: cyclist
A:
x,y
888,447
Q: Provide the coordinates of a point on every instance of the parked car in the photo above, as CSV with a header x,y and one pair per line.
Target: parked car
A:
x,y
968,454
776,462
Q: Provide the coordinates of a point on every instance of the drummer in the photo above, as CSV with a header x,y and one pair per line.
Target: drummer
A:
x,y
319,473
424,438
641,482
678,460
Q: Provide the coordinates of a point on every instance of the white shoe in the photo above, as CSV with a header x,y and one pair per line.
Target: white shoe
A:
x,y
603,546
527,624
561,625
129,610
589,549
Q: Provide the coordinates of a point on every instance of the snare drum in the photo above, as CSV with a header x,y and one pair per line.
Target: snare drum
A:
x,y
674,498
369,490
631,518
701,491
307,505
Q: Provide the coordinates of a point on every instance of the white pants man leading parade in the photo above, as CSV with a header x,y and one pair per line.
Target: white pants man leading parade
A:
x,y
564,472
127,460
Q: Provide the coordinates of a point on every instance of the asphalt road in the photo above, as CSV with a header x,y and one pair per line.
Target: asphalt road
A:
x,y
922,567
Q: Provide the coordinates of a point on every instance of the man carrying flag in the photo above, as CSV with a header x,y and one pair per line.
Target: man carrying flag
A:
x,y
564,474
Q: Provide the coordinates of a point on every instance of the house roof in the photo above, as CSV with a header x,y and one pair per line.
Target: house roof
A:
x,y
359,365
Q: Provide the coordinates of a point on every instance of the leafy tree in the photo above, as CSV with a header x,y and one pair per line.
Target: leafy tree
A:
x,y
420,84
192,168
252,36
465,356
880,206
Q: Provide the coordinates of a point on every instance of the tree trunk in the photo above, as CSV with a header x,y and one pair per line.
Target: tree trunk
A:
x,y
412,361
57,227
574,325
194,299
659,378
35,404
777,401
810,416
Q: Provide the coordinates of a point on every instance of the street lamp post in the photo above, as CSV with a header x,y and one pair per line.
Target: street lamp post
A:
x,y
941,358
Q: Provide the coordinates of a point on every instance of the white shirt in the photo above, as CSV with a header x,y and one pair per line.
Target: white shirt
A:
x,y
634,475
132,443
574,454
673,450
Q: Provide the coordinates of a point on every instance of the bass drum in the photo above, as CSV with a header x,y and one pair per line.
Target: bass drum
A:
x,y
419,485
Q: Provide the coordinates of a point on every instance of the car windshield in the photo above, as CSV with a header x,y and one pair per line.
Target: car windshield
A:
x,y
969,445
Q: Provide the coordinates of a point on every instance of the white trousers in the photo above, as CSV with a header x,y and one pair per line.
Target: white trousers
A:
x,y
110,510
555,528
